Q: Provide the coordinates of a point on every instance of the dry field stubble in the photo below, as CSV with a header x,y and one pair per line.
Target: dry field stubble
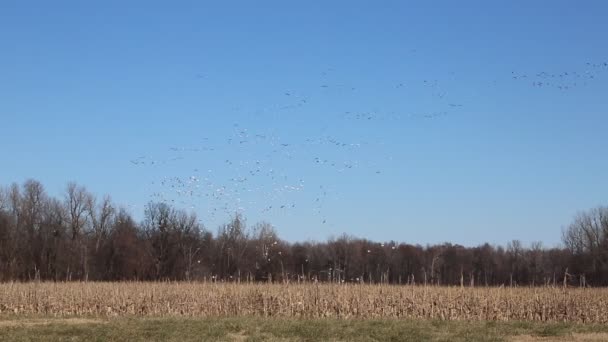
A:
x,y
304,301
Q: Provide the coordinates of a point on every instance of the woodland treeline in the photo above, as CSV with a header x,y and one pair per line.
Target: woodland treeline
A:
x,y
83,237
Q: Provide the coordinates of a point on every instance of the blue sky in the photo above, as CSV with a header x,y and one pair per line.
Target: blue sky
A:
x,y
466,121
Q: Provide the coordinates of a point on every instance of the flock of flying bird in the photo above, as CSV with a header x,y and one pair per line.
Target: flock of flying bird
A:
x,y
562,80
253,171
240,183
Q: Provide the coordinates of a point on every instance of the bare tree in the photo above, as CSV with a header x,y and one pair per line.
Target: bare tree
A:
x,y
76,200
157,226
4,198
188,242
54,233
266,249
233,239
587,238
436,260
32,213
101,217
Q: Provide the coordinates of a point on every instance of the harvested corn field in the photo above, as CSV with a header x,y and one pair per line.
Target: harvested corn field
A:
x,y
304,301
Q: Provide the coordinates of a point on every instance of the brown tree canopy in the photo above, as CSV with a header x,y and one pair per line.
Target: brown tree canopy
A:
x,y
79,237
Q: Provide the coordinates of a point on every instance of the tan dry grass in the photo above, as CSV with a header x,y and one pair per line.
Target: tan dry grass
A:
x,y
31,322
304,301
576,337
238,337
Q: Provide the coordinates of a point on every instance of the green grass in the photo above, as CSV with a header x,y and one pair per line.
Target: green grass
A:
x,y
258,329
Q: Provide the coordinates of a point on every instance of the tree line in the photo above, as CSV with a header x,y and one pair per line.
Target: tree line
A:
x,y
81,237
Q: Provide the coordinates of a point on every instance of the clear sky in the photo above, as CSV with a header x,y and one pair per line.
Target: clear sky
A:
x,y
422,122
